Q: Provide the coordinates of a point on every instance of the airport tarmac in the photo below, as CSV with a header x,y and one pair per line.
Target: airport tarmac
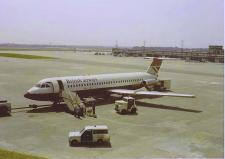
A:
x,y
164,127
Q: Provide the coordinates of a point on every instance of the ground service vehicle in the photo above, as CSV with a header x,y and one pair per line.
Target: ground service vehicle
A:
x,y
5,108
90,134
162,85
126,105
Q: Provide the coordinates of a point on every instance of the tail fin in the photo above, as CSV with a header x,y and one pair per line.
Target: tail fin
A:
x,y
155,66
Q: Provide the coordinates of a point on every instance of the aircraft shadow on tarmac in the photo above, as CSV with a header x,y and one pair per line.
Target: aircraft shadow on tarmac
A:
x,y
50,108
93,145
62,107
4,115
128,113
161,106
150,105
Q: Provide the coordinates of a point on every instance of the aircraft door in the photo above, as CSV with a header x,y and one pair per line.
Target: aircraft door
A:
x,y
55,86
61,87
87,136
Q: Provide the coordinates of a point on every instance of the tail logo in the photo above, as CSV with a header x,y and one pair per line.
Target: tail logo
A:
x,y
155,66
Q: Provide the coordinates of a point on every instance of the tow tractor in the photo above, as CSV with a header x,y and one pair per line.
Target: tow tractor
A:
x,y
5,108
126,105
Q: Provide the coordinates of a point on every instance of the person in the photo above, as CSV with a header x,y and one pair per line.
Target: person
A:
x,y
82,110
77,112
93,108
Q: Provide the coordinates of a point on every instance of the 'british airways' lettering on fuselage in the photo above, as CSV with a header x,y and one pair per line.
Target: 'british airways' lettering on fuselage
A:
x,y
81,80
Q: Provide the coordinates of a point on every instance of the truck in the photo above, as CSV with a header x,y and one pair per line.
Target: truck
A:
x,y
126,105
162,85
90,134
5,108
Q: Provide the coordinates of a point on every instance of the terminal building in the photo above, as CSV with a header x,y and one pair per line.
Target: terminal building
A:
x,y
214,53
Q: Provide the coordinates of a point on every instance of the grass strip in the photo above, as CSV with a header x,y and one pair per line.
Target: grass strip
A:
x,y
5,154
25,56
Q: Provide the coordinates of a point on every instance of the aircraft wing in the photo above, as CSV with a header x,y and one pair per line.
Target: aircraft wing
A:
x,y
149,93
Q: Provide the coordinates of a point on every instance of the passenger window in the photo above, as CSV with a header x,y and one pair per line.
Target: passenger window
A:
x,y
100,131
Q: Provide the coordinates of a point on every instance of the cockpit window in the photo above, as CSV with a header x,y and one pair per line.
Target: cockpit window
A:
x,y
38,85
43,85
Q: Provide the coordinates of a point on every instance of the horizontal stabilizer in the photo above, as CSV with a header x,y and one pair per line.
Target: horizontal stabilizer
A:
x,y
162,58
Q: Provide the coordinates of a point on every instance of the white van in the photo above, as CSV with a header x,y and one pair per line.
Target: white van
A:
x,y
90,134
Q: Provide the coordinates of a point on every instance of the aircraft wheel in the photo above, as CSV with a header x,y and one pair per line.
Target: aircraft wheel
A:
x,y
123,111
100,141
74,142
133,111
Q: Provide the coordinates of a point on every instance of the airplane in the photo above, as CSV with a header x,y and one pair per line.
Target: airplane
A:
x,y
75,88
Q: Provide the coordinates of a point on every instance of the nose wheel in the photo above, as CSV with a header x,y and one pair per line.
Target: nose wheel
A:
x,y
55,103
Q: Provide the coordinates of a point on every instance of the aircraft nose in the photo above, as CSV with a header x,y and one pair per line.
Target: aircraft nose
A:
x,y
27,95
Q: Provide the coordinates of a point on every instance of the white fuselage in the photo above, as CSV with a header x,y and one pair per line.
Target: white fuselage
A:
x,y
48,89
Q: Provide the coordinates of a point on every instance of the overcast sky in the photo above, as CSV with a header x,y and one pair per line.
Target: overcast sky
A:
x,y
101,22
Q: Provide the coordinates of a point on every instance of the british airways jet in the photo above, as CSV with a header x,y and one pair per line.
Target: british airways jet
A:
x,y
50,89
